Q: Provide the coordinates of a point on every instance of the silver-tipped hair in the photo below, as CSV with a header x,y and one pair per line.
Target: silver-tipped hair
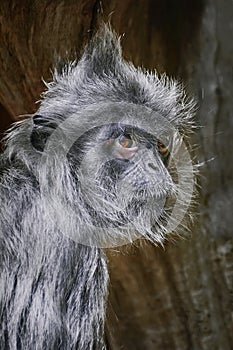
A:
x,y
53,271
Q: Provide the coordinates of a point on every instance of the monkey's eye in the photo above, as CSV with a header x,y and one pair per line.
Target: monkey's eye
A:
x,y
163,150
126,141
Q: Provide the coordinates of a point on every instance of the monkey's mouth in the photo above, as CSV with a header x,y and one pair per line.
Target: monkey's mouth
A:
x,y
117,219
138,204
143,190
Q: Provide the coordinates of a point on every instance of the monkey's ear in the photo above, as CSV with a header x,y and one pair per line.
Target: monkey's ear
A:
x,y
42,129
103,54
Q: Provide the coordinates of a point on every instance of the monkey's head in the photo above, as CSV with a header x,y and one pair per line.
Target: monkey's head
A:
x,y
108,151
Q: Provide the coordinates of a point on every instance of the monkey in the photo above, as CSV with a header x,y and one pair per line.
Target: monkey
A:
x,y
102,163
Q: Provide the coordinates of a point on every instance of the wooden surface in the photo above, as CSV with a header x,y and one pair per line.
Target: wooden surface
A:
x,y
180,297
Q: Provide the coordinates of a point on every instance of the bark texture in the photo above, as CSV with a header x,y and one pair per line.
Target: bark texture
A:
x,y
180,297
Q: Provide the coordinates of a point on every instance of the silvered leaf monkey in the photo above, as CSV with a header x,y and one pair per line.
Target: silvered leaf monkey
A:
x,y
90,170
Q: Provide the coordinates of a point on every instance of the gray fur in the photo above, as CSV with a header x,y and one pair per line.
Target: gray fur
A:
x,y
53,288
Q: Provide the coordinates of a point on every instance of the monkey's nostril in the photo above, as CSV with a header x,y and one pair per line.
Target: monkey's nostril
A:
x,y
152,166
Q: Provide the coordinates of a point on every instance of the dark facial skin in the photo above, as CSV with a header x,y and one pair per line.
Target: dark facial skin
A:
x,y
121,142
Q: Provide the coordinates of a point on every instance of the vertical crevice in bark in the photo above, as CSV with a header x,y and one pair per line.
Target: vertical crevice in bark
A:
x,y
178,24
94,18
5,121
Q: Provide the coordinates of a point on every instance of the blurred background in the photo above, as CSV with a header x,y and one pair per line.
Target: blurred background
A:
x,y
179,296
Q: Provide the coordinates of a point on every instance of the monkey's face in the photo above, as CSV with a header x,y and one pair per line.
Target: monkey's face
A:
x,y
107,170
122,173
133,158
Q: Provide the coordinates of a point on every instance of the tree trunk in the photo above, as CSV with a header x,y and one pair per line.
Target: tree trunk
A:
x,y
180,297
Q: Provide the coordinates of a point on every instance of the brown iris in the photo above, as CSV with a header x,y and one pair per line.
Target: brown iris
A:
x,y
126,141
162,148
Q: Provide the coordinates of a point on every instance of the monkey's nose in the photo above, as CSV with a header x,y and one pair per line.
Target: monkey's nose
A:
x,y
153,166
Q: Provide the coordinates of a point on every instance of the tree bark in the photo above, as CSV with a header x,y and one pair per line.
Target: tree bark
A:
x,y
180,297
